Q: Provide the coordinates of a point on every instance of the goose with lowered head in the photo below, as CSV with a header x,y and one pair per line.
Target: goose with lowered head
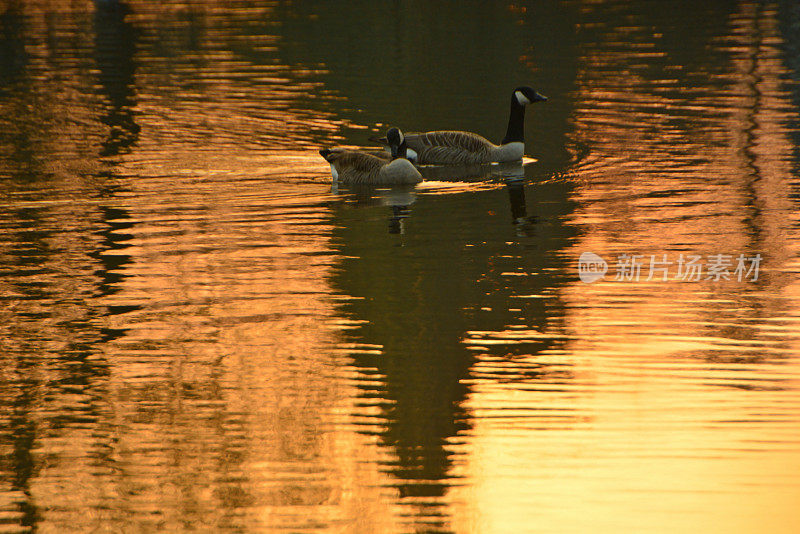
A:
x,y
354,167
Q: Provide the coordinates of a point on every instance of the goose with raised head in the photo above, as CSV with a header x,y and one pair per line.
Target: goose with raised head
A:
x,y
448,147
354,167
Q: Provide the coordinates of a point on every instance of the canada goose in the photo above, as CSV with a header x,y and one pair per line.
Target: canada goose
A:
x,y
465,148
353,167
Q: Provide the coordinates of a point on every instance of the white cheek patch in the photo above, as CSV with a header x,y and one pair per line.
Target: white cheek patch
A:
x,y
334,173
522,99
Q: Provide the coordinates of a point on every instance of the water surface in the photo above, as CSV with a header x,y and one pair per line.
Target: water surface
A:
x,y
199,333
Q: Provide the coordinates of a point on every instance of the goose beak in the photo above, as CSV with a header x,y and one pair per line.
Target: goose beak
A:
x,y
539,98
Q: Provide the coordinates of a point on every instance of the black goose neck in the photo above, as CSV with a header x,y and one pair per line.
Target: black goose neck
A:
x,y
401,151
516,123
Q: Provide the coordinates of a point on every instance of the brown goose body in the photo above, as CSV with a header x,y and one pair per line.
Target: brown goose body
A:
x,y
448,147
354,167
460,148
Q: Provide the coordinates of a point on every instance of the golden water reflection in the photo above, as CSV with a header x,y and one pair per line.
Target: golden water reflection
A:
x,y
168,331
199,333
681,394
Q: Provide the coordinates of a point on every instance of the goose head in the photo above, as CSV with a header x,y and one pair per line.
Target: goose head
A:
x,y
330,154
525,95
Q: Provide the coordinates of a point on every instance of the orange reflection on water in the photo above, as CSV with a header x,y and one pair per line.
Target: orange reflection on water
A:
x,y
168,353
218,402
679,394
175,343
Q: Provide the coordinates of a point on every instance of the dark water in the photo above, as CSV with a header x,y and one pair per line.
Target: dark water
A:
x,y
199,333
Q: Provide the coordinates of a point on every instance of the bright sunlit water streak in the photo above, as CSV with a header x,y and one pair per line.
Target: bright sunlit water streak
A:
x,y
200,333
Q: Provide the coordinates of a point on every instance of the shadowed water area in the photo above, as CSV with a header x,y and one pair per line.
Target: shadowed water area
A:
x,y
199,332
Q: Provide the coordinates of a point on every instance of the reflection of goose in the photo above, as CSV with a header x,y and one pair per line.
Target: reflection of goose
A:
x,y
398,198
464,148
519,210
399,214
354,167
